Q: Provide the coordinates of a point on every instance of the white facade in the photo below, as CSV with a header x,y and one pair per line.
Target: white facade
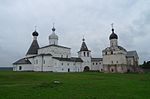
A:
x,y
56,51
115,57
56,58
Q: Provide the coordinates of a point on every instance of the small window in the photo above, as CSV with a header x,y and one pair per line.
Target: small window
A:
x,y
105,53
96,63
68,64
43,61
36,61
117,62
61,55
62,64
74,64
93,63
67,56
99,63
87,54
112,62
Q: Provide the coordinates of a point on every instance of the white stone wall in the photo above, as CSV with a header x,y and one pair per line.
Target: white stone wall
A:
x,y
130,61
56,51
43,63
66,66
114,59
97,65
23,67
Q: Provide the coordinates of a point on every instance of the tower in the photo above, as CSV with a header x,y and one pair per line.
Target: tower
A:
x,y
33,50
113,38
53,38
85,55
114,56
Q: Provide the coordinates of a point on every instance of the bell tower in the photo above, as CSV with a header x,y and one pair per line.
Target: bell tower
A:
x,y
85,55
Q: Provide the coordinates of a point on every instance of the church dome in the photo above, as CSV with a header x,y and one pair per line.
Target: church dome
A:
x,y
35,33
53,36
113,35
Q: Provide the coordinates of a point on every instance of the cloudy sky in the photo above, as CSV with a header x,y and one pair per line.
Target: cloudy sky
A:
x,y
73,19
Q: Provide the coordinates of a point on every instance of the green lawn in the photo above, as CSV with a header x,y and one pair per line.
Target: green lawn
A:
x,y
87,85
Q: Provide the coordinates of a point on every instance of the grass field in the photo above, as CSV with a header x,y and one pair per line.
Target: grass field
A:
x,y
87,85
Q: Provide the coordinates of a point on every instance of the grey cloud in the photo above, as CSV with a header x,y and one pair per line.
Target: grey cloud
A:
x,y
73,19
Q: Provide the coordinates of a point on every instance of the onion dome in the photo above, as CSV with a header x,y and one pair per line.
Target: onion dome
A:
x,y
113,35
53,35
53,29
35,33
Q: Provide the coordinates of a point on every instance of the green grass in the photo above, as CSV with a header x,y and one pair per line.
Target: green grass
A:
x,y
87,85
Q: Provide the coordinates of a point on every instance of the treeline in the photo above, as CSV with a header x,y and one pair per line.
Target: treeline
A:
x,y
146,64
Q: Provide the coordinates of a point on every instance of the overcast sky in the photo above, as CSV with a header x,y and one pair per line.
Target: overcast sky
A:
x,y
73,19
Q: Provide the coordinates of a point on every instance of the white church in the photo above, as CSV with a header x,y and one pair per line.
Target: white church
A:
x,y
57,58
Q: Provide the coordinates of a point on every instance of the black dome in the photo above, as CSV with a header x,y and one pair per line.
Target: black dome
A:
x,y
113,35
53,29
35,33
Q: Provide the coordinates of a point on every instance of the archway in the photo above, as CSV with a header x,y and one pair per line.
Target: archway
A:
x,y
86,68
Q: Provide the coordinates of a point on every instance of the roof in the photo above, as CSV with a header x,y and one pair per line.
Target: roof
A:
x,y
72,59
44,55
113,35
55,46
35,33
53,36
22,61
33,48
96,59
113,48
121,48
83,47
132,54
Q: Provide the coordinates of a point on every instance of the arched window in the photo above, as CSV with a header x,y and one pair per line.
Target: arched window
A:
x,y
105,53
